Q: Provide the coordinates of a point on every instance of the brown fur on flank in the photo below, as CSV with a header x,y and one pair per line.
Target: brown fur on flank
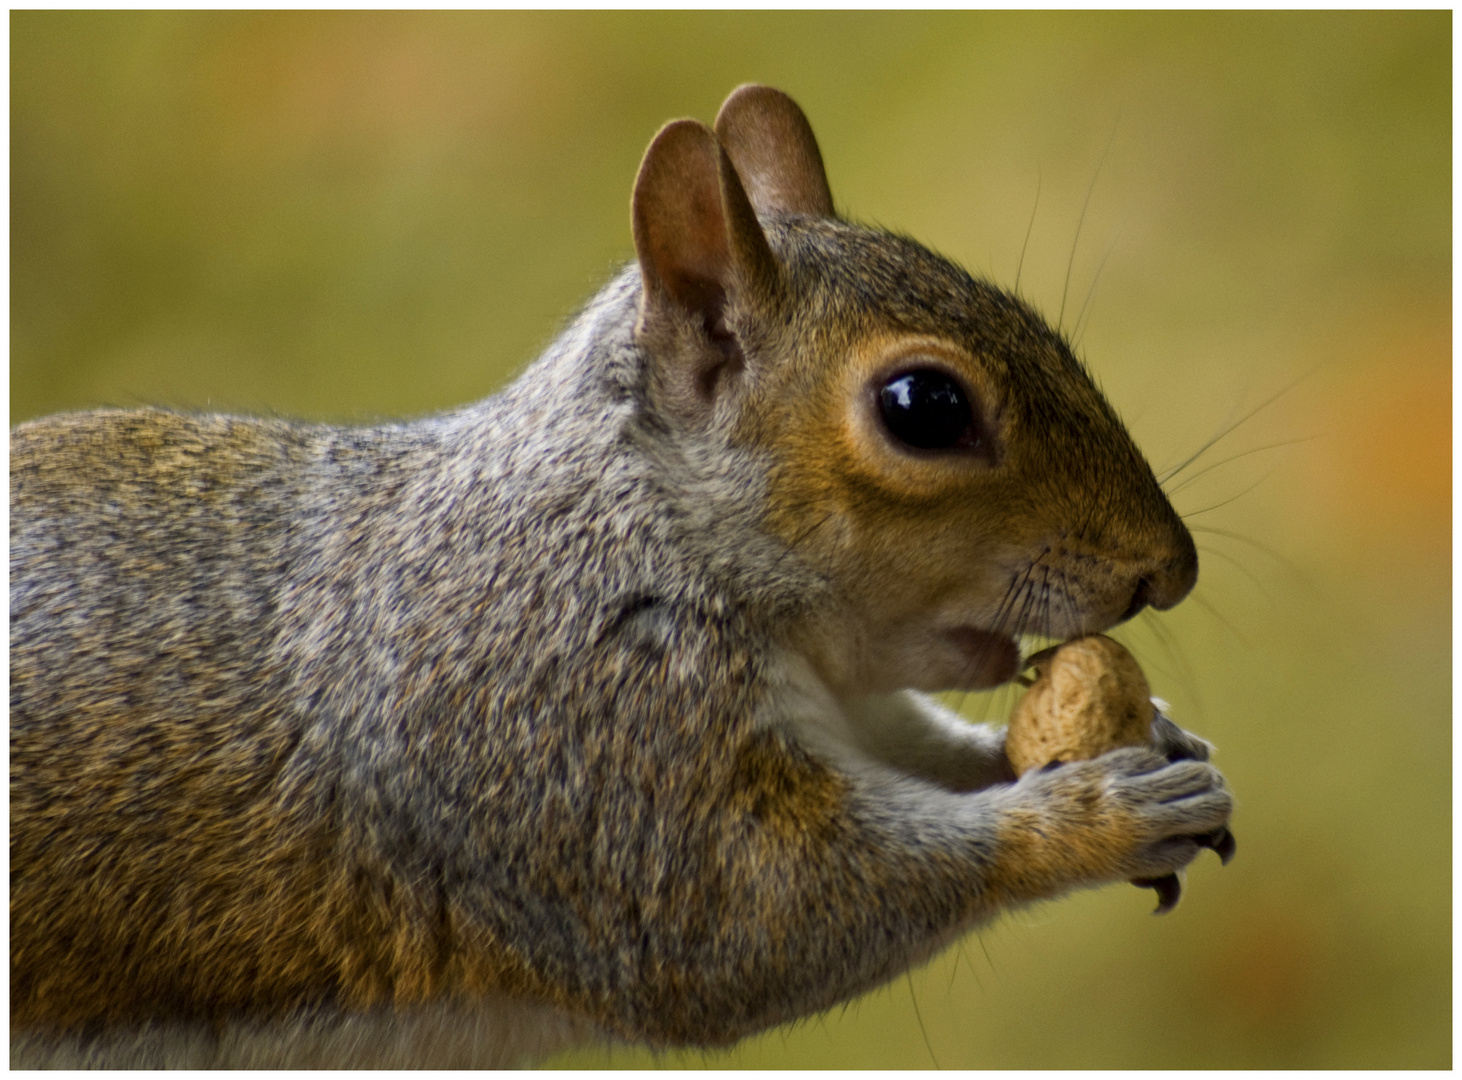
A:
x,y
590,709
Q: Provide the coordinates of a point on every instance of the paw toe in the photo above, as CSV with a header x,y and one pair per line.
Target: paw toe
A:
x,y
1169,889
1222,841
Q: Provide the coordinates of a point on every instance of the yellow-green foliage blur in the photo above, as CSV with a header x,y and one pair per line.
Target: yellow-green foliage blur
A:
x,y
350,216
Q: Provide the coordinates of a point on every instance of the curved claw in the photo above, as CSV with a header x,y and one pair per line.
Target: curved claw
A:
x,y
1221,841
1169,891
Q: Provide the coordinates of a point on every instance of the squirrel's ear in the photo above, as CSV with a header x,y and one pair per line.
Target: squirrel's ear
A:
x,y
774,150
698,242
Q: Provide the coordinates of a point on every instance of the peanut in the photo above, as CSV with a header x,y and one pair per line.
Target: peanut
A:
x,y
1089,697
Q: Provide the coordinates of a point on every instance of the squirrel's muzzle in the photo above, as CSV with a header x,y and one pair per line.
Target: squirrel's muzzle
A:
x,y
1166,582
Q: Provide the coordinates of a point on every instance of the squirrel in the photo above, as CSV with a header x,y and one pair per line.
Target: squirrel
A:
x,y
596,709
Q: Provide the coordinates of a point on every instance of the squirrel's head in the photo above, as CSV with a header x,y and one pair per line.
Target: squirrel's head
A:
x,y
937,453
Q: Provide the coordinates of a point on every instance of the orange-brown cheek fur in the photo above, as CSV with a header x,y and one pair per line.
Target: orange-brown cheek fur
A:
x,y
896,554
898,536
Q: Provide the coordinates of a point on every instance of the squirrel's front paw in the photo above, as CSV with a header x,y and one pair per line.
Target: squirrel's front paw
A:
x,y
1177,810
1176,744
1172,742
1128,814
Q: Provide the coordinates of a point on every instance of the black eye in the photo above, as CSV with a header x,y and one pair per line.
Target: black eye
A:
x,y
929,410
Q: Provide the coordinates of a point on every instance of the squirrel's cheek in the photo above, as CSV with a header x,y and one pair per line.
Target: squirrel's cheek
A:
x,y
987,659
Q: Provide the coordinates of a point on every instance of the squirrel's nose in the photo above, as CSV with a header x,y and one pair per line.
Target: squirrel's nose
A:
x,y
1167,582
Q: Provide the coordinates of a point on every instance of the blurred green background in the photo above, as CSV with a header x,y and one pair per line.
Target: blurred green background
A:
x,y
348,216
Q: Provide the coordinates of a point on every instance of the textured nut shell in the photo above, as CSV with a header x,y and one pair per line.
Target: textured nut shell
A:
x,y
1090,697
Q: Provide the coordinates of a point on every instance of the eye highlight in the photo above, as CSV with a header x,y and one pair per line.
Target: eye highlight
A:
x,y
928,409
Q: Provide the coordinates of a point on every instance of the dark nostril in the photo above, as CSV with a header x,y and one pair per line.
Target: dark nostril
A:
x,y
1141,597
1167,584
1176,581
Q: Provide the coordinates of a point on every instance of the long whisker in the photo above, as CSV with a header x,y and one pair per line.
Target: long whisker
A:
x,y
1017,592
1232,498
1287,563
1072,608
1255,411
922,1030
1208,607
1091,291
1241,454
1046,601
801,537
1241,568
1011,592
1071,262
1021,265
1169,643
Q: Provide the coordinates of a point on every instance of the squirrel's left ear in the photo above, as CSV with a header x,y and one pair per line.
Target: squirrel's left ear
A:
x,y
699,245
774,150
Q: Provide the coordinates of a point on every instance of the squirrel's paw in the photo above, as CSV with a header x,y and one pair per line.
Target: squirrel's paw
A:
x,y
1175,744
1127,814
1179,809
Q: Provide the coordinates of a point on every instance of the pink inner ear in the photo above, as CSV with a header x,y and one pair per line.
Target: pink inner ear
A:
x,y
698,239
680,225
694,258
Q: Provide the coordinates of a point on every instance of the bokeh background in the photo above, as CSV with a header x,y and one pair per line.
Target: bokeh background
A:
x,y
349,216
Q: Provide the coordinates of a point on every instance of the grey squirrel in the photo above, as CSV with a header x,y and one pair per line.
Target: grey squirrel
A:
x,y
593,709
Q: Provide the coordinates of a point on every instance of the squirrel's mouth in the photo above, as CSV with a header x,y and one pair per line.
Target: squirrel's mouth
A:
x,y
990,659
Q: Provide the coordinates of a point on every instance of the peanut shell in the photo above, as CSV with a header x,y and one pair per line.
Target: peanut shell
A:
x,y
1089,697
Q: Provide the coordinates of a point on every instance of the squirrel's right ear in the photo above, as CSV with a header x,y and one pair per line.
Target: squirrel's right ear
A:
x,y
699,244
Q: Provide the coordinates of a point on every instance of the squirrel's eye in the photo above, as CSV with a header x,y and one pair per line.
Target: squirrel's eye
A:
x,y
929,410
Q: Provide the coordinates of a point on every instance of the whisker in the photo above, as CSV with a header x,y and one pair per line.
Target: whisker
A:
x,y
1091,291
965,955
1255,411
1072,607
1165,637
1242,454
798,540
1018,615
1236,564
1233,498
1021,265
1012,614
985,949
1202,602
1283,560
1075,240
1013,593
1016,594
922,1030
1045,611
